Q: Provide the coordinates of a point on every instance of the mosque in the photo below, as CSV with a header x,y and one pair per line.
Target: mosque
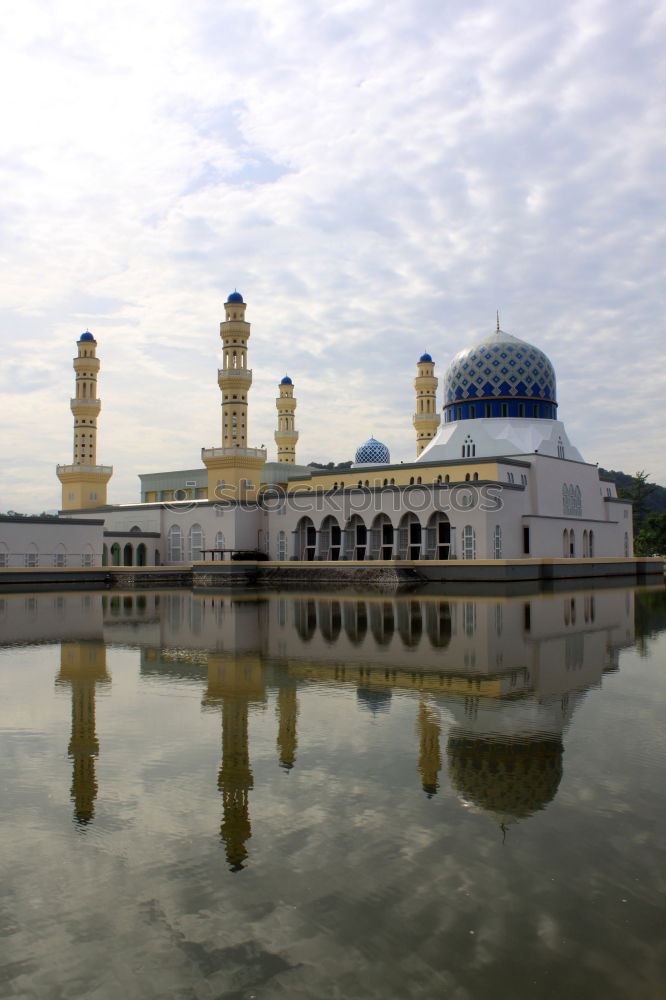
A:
x,y
494,477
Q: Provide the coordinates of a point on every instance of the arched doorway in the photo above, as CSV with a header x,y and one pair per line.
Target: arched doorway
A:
x,y
381,538
409,537
330,539
356,539
438,536
306,539
128,553
115,554
141,554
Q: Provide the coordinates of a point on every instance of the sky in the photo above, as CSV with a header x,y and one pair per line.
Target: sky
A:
x,y
376,178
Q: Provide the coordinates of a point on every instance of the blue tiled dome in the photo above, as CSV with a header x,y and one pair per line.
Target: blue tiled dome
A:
x,y
286,381
235,297
86,336
425,357
372,452
500,368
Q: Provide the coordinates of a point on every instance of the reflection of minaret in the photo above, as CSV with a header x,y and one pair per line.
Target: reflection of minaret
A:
x,y
235,681
287,712
430,757
83,665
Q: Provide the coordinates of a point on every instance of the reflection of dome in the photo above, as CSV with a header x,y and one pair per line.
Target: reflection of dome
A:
x,y
286,381
425,357
374,699
235,297
86,336
501,367
372,452
510,778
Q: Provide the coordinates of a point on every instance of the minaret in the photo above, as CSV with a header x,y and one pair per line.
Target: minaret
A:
x,y
234,469
286,434
84,482
426,419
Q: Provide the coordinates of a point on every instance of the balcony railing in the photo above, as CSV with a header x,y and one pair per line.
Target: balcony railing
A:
x,y
92,404
224,452
223,372
104,469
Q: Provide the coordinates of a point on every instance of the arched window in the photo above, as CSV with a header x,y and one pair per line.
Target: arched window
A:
x,y
591,544
219,540
572,543
31,557
196,542
175,544
497,542
586,550
105,555
468,542
87,556
282,545
565,543
60,556
560,448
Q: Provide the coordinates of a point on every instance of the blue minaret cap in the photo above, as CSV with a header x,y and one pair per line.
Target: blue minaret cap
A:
x,y
86,336
235,297
425,357
286,381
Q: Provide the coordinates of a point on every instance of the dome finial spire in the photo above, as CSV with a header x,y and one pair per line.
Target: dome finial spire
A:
x,y
498,327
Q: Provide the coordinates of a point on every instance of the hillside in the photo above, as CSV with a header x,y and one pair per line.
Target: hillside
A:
x,y
655,502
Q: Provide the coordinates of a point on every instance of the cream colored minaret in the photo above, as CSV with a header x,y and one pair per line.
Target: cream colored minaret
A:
x,y
426,419
84,482
286,434
234,469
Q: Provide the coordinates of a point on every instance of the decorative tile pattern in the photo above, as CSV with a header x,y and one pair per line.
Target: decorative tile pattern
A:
x,y
500,365
372,451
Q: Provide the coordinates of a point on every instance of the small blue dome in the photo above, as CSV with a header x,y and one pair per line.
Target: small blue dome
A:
x,y
235,297
425,357
372,452
286,381
86,336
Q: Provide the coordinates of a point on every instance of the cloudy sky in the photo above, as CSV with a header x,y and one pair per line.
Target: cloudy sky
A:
x,y
376,177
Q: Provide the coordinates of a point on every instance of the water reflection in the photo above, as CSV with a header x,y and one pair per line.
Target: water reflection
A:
x,y
82,668
495,680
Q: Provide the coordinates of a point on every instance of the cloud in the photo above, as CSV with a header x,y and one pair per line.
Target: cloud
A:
x,y
375,178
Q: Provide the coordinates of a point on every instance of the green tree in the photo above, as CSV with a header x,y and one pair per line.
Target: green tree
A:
x,y
638,492
651,539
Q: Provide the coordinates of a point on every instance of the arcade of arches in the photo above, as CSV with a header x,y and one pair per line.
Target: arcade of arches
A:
x,y
381,540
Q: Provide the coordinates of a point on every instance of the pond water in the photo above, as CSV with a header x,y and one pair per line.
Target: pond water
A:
x,y
438,795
